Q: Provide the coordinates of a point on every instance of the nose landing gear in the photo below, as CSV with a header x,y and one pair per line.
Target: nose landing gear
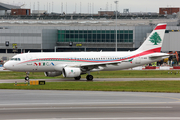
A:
x,y
27,76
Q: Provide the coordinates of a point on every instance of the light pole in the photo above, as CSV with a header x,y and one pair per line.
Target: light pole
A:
x,y
116,2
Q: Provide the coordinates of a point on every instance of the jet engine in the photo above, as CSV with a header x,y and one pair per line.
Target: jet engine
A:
x,y
52,74
71,72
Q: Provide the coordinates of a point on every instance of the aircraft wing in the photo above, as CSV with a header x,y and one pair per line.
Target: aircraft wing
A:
x,y
96,65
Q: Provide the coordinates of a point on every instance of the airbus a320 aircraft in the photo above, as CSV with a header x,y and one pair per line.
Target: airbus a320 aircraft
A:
x,y
74,64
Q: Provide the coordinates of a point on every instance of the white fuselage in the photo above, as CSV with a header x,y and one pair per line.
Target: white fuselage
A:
x,y
55,61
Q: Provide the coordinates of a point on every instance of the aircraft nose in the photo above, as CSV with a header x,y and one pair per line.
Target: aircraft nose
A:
x,y
7,65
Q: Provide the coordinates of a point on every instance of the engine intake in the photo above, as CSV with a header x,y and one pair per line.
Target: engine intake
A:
x,y
71,72
52,74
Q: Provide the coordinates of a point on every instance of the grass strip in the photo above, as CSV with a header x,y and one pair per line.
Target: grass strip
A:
x,y
101,74
130,86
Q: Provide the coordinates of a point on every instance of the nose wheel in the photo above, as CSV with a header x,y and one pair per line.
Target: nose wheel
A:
x,y
27,76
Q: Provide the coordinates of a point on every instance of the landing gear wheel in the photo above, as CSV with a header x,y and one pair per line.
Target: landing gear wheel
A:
x,y
27,78
89,78
77,78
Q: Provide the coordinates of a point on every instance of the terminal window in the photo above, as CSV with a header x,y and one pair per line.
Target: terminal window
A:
x,y
95,36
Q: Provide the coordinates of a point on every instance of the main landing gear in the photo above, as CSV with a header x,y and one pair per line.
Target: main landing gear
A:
x,y
88,77
27,76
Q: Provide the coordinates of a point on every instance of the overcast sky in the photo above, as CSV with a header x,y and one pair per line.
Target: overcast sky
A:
x,y
93,6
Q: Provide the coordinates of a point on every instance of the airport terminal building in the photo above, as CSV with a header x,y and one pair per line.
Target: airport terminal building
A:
x,y
22,32
82,35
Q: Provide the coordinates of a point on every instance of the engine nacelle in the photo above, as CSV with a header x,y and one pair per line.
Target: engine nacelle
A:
x,y
71,72
52,74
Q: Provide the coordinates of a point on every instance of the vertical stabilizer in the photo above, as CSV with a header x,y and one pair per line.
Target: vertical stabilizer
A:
x,y
154,41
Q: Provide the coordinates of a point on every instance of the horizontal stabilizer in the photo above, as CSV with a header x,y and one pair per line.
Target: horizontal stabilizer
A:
x,y
165,55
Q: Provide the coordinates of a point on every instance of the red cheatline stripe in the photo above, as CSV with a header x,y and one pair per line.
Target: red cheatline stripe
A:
x,y
134,56
154,50
160,27
147,52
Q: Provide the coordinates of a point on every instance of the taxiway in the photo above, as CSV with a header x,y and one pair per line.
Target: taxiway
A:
x,y
88,105
83,79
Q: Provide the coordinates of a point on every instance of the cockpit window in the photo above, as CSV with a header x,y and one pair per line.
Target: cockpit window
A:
x,y
15,59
